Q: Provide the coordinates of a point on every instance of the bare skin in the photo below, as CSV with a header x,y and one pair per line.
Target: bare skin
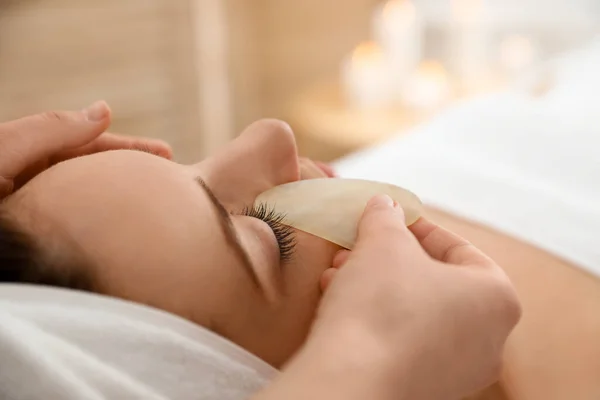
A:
x,y
554,353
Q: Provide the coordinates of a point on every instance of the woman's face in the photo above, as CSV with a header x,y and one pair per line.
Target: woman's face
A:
x,y
171,236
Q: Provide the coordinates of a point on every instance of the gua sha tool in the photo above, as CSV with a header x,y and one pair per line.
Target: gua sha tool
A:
x,y
331,207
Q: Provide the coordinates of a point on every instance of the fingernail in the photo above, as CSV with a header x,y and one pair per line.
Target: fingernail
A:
x,y
97,112
381,200
399,210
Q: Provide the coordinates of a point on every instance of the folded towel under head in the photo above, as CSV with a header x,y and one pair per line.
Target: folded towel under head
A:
x,y
62,344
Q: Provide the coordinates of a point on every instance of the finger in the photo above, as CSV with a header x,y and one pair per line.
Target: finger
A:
x,y
110,141
326,168
382,226
26,141
340,258
327,277
310,170
446,246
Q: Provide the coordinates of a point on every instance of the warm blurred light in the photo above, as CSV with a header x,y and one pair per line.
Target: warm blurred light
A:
x,y
430,86
434,69
517,52
467,10
366,77
367,53
398,28
399,9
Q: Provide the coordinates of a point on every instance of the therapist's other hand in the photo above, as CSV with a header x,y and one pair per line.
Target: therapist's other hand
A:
x,y
311,169
427,306
31,144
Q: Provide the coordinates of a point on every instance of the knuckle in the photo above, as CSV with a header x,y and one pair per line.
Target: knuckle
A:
x,y
514,310
510,306
53,116
452,250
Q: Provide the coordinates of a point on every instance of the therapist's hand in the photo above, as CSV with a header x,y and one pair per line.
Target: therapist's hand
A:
x,y
427,311
31,144
311,169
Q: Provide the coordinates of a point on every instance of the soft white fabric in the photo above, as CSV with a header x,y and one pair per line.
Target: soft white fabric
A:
x,y
523,165
66,345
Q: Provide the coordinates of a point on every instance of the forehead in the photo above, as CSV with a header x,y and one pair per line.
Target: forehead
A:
x,y
101,179
110,199
108,167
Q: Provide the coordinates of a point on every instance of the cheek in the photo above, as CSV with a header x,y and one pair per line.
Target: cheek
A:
x,y
301,294
313,256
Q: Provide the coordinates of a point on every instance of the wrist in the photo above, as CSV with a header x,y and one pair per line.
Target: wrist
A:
x,y
348,365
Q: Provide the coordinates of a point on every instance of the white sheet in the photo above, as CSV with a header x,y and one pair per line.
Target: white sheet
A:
x,y
525,166
57,344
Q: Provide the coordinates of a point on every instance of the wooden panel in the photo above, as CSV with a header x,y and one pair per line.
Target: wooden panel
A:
x,y
134,54
248,47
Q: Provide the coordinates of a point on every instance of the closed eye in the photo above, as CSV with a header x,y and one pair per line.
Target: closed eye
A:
x,y
285,235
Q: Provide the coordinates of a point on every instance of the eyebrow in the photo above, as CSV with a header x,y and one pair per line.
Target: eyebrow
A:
x,y
231,237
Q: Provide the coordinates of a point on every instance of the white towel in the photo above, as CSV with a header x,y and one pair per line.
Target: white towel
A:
x,y
57,344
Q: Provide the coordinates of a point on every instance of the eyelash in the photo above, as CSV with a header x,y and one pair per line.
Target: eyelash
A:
x,y
286,239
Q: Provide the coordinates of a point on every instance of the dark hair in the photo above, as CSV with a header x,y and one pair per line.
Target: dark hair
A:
x,y
24,260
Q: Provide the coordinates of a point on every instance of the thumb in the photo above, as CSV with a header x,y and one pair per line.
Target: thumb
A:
x,y
28,140
382,226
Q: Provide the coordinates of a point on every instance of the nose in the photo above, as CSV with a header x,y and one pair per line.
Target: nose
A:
x,y
263,156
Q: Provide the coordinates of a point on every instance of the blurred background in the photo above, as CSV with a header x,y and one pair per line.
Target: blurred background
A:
x,y
344,74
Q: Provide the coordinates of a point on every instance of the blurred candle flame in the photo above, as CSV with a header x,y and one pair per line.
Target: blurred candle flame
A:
x,y
367,52
430,86
366,76
433,69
